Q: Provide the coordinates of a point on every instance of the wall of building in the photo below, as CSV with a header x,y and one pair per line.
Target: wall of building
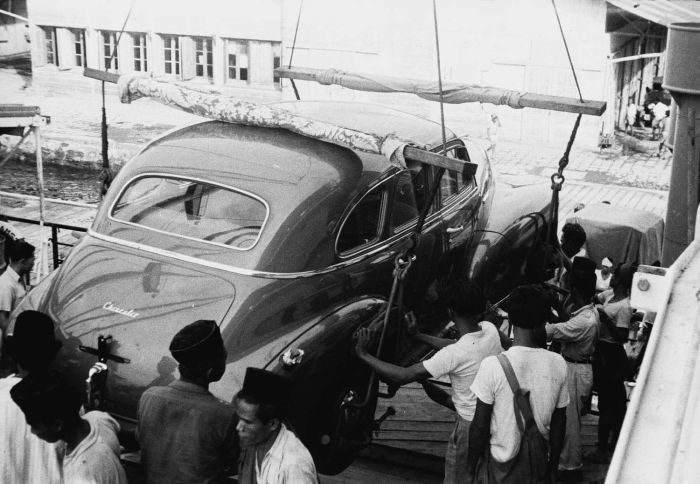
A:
x,y
14,33
503,43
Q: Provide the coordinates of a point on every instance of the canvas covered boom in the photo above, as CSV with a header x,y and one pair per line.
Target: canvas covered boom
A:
x,y
213,105
452,93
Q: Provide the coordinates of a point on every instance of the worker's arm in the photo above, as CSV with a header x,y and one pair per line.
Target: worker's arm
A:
x,y
4,321
557,428
388,371
479,435
438,395
433,341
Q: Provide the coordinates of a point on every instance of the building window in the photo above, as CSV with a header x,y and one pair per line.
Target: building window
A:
x,y
171,45
79,46
50,45
140,53
203,58
110,56
237,60
276,61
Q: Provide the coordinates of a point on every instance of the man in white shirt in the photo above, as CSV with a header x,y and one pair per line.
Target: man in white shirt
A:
x,y
270,452
458,360
540,372
90,446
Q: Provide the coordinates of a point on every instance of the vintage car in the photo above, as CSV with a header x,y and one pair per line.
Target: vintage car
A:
x,y
290,243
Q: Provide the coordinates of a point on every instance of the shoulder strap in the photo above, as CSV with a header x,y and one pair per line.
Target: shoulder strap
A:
x,y
510,374
521,398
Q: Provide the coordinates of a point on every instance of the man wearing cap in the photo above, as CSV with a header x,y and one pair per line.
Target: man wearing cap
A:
x,y
271,453
186,434
23,456
578,337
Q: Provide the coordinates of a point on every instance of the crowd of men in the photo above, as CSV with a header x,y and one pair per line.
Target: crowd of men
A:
x,y
515,399
518,395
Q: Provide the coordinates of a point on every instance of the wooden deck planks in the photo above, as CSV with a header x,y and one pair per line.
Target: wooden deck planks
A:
x,y
424,426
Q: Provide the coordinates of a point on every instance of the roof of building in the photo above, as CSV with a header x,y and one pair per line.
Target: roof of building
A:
x,y
662,12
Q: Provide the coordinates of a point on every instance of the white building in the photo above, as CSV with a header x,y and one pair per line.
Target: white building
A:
x,y
234,45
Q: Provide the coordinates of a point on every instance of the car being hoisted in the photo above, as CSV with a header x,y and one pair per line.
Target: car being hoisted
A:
x,y
290,243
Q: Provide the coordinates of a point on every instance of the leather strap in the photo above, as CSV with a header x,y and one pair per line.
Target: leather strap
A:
x,y
522,401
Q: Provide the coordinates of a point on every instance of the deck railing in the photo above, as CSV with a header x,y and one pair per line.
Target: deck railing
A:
x,y
55,227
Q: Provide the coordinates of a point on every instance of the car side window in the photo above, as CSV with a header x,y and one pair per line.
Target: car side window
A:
x,y
452,182
193,209
362,226
404,209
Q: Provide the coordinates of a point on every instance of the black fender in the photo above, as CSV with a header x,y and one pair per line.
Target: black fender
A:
x,y
328,373
497,257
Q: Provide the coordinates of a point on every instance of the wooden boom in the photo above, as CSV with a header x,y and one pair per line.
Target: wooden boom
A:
x,y
452,93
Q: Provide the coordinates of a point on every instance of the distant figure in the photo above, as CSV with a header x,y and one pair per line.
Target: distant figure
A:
x,y
630,116
496,440
24,457
12,286
186,433
659,122
603,275
493,123
89,444
271,453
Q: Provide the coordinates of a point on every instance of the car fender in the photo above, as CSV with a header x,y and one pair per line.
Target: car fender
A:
x,y
519,217
327,369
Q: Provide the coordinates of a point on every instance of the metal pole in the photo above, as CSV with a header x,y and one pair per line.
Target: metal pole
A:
x,y
40,273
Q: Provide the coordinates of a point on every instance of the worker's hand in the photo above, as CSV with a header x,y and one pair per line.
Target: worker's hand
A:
x,y
411,323
363,341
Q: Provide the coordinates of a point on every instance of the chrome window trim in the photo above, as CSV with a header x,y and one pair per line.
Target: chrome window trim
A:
x,y
382,216
239,270
195,179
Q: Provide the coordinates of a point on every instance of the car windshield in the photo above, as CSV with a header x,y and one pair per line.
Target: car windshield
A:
x,y
193,209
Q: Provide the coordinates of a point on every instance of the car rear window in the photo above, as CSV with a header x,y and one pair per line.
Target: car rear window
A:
x,y
193,209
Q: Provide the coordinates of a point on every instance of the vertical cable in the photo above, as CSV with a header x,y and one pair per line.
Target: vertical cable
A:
x,y
294,44
439,69
106,175
568,54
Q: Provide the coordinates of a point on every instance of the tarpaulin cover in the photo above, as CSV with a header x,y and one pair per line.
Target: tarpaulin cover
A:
x,y
452,93
620,233
216,106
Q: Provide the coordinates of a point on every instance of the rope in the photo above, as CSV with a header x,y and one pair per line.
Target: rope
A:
x,y
568,54
439,69
294,44
558,178
106,175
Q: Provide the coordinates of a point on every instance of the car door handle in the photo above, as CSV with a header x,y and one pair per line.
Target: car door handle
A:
x,y
453,230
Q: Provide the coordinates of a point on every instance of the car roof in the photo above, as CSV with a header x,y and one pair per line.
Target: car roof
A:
x,y
370,118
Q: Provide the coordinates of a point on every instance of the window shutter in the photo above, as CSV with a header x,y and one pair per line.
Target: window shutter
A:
x,y
187,57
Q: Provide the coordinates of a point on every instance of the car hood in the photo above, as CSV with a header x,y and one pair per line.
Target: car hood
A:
x,y
139,300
